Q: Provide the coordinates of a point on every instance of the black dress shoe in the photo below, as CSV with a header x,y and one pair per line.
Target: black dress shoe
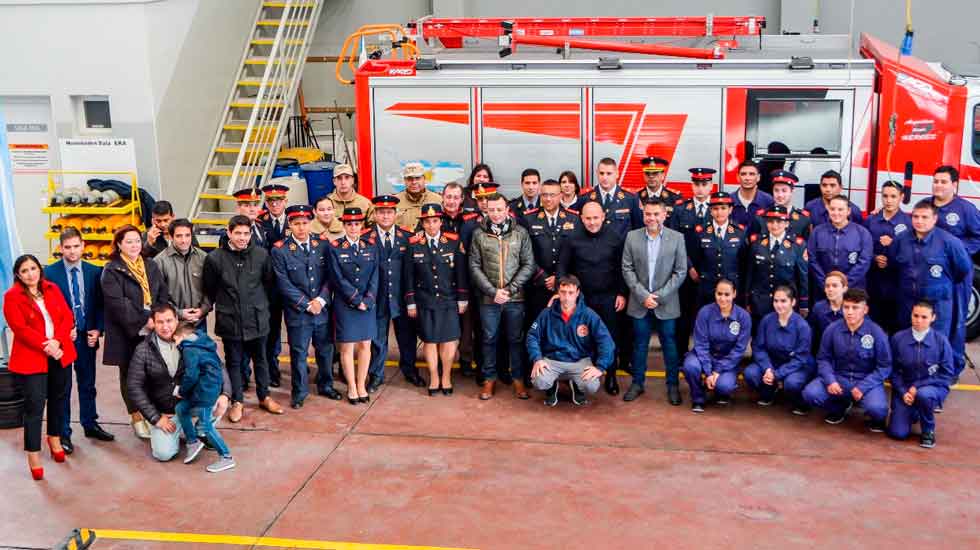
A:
x,y
365,399
298,404
275,384
353,400
330,393
612,385
96,432
634,391
447,391
415,380
374,385
66,445
466,368
673,395
433,391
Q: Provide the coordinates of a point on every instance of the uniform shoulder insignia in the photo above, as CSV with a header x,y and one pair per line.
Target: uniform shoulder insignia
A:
x,y
804,211
740,226
765,242
698,229
572,211
533,211
366,230
795,216
679,202
753,238
786,244
415,239
760,211
335,244
279,244
800,241
469,216
451,236
621,195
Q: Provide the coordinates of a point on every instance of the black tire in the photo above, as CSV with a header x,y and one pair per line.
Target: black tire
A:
x,y
12,414
9,390
973,310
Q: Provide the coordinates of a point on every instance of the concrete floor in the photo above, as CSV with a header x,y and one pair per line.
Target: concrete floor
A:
x,y
414,471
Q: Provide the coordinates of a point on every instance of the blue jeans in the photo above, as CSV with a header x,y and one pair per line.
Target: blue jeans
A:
x,y
643,328
85,372
205,424
299,338
511,315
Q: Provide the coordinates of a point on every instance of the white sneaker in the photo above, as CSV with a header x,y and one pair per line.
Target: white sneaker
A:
x,y
222,464
193,450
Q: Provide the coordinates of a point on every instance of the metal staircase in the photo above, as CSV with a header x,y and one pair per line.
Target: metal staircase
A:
x,y
257,111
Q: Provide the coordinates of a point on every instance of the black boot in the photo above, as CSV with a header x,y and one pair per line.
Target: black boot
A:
x,y
673,395
612,385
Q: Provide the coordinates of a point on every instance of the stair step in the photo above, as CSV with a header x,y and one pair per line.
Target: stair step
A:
x,y
283,4
225,170
216,196
265,61
275,23
249,83
250,104
269,41
239,125
236,146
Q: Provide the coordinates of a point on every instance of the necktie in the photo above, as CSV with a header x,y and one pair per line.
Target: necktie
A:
x,y
276,226
700,211
605,200
551,223
387,242
306,247
258,233
76,293
432,245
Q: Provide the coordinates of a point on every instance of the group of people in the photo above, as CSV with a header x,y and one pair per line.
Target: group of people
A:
x,y
575,282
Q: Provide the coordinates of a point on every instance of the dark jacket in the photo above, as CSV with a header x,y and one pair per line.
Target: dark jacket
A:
x,y
583,335
92,289
124,311
203,373
501,261
596,259
238,283
150,386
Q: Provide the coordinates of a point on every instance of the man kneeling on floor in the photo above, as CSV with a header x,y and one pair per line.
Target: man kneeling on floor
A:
x,y
153,377
568,341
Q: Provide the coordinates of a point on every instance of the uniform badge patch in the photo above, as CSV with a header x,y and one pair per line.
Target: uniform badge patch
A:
x,y
734,327
900,228
952,218
867,341
933,369
582,331
292,247
936,271
852,258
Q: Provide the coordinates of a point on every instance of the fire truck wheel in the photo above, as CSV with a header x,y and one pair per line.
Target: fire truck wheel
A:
x,y
973,311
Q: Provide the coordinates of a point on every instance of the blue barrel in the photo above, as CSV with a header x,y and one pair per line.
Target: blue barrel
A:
x,y
319,179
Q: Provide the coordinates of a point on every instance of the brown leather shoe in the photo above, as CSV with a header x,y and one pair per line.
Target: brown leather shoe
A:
x,y
271,406
236,412
487,391
519,390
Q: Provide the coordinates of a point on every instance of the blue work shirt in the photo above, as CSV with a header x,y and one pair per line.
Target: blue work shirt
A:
x,y
653,253
884,281
820,317
847,250
925,363
784,349
861,358
720,342
930,268
962,220
819,215
744,215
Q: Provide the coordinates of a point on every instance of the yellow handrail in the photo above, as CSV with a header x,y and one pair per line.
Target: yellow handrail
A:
x,y
350,51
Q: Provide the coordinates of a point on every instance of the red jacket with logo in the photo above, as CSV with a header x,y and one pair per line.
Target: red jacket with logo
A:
x,y
27,323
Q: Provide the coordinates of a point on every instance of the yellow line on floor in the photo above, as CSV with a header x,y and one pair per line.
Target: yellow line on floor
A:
x,y
157,536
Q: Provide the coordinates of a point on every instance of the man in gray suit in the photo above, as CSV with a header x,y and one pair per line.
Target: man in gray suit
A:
x,y
654,266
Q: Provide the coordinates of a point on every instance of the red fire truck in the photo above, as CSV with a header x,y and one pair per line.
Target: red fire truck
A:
x,y
561,93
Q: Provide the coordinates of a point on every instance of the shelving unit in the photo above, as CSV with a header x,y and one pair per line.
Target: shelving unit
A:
x,y
128,208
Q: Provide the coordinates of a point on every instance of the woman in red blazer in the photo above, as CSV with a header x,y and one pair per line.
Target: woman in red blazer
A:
x,y
44,336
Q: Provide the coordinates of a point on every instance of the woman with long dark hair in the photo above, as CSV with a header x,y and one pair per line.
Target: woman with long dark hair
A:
x,y
481,173
130,288
569,189
44,336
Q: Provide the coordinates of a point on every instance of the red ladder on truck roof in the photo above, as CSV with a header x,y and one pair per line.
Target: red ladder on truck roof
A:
x,y
451,32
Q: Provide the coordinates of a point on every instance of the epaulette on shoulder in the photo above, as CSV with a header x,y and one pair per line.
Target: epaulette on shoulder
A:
x,y
679,202
278,244
800,240
698,229
470,216
335,243
572,211
760,211
532,211
403,232
450,235
416,239
754,238
366,230
804,211
741,226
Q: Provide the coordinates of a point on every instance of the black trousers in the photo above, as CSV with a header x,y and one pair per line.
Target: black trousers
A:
x,y
124,373
688,294
605,306
273,346
238,352
51,388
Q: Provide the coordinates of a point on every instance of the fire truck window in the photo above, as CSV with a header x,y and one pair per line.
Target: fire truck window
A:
x,y
976,134
802,124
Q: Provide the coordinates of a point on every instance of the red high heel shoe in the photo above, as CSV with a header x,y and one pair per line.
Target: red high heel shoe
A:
x,y
37,473
58,456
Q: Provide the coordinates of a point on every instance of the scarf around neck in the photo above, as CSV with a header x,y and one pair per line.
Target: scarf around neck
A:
x,y
138,269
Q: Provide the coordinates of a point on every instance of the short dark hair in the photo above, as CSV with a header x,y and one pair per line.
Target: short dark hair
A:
x,y
185,329
550,181
926,304
160,308
724,281
787,289
607,161
856,296
452,185
180,222
926,204
238,221
747,163
654,201
530,172
70,233
832,174
569,280
496,197
321,199
162,208
846,200
572,178
954,174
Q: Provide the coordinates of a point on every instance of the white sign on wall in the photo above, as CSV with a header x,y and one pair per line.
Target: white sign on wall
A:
x,y
97,155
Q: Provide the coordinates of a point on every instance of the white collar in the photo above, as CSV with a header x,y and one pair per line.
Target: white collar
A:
x,y
773,239
920,336
428,238
720,229
353,242
301,243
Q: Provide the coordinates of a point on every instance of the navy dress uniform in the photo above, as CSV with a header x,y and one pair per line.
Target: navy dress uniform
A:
x,y
688,214
928,366
657,165
435,281
774,262
860,359
719,343
354,277
787,351
275,231
799,218
933,269
717,252
883,282
301,276
547,233
622,208
392,248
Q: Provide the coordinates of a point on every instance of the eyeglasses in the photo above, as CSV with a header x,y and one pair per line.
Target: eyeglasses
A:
x,y
549,194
